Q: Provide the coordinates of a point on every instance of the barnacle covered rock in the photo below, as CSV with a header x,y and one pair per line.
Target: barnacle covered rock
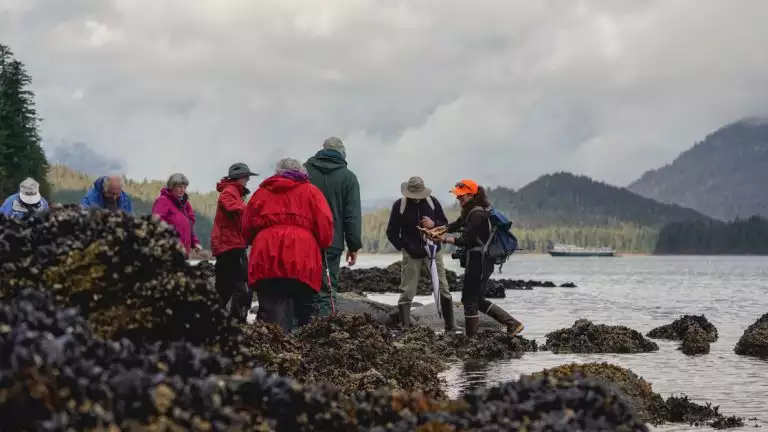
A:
x,y
754,341
680,327
586,337
695,341
58,375
487,345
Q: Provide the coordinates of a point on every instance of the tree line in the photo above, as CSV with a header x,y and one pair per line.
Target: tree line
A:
x,y
737,237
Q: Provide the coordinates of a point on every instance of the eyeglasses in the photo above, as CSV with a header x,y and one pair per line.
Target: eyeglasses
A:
x,y
461,186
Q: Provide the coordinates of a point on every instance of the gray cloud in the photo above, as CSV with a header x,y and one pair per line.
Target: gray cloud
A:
x,y
501,91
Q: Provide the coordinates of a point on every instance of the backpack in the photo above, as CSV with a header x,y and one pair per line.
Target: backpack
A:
x,y
502,243
404,201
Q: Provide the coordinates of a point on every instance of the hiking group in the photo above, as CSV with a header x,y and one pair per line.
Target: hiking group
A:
x,y
297,225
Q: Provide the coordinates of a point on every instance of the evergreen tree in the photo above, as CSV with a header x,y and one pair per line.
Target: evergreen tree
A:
x,y
21,154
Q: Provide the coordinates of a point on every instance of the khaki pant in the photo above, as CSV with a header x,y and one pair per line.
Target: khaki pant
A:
x,y
411,272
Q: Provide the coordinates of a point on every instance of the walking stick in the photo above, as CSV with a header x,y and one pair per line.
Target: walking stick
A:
x,y
330,287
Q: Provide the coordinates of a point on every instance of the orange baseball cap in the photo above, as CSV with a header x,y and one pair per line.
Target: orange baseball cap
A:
x,y
465,187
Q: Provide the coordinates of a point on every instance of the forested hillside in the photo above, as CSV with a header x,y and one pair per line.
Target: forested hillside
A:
x,y
723,176
739,237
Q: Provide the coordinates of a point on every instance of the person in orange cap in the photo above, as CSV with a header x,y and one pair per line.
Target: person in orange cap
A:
x,y
475,228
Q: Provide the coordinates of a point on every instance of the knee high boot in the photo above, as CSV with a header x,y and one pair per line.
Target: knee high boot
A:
x,y
404,311
446,305
471,324
497,313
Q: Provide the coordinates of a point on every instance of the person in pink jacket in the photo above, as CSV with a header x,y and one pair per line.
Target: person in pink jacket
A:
x,y
173,207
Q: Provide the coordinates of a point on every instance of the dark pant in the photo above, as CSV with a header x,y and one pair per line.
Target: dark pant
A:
x,y
232,282
280,297
476,275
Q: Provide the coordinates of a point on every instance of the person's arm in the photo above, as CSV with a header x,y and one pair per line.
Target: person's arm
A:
x,y
230,201
393,227
128,208
44,205
472,228
455,226
323,219
192,219
250,213
7,208
352,215
86,201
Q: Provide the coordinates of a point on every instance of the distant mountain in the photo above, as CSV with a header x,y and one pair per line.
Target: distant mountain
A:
x,y
80,157
567,200
724,176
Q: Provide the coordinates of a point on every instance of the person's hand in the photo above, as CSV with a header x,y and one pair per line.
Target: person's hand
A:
x,y
198,247
427,223
351,258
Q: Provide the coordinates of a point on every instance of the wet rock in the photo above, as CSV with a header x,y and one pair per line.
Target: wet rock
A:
x,y
695,341
350,303
638,393
387,280
57,375
754,341
586,337
680,327
486,345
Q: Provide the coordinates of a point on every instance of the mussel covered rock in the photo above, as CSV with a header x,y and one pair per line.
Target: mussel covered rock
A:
x,y
586,337
680,327
695,341
754,341
387,280
58,375
486,345
638,393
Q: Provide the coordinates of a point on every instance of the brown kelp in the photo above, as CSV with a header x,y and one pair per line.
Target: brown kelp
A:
x,y
587,337
754,341
58,375
638,393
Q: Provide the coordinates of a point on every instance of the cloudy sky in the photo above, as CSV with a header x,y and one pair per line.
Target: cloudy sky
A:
x,y
498,90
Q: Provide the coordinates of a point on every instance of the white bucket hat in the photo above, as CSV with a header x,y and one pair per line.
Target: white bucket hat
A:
x,y
29,191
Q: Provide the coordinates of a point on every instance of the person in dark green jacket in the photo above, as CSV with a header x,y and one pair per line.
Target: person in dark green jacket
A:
x,y
328,171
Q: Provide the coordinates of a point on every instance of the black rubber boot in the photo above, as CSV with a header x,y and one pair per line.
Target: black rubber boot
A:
x,y
446,305
471,324
513,326
404,310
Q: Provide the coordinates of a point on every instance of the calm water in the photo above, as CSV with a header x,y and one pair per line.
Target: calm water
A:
x,y
641,293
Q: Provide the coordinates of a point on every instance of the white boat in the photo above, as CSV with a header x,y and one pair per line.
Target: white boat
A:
x,y
577,251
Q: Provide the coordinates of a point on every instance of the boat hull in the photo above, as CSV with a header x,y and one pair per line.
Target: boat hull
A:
x,y
581,254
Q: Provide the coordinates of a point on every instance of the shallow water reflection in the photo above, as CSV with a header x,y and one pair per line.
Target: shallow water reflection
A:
x,y
641,293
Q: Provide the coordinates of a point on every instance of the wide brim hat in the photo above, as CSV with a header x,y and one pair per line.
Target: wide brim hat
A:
x,y
414,188
240,170
30,199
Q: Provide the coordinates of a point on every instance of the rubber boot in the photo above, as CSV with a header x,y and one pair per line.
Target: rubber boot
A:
x,y
513,326
404,310
471,324
446,305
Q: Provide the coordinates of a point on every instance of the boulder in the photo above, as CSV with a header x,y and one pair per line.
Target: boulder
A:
x,y
586,337
754,341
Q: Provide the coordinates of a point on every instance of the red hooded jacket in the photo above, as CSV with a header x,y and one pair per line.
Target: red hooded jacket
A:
x,y
288,223
227,231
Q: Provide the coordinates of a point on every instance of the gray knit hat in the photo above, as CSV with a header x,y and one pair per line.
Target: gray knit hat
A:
x,y
334,143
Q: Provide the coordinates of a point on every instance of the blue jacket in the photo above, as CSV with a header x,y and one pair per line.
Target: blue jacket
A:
x,y
13,207
95,198
402,229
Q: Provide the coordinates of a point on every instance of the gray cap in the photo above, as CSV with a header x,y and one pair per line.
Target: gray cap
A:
x,y
334,143
239,170
414,188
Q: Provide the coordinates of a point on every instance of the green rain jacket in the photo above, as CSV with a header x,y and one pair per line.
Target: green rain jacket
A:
x,y
328,171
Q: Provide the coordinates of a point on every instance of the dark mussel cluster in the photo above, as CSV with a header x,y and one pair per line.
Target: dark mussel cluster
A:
x,y
695,332
487,345
754,341
638,393
56,374
387,280
127,274
587,337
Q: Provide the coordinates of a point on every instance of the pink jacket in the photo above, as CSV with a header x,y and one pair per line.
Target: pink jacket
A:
x,y
179,214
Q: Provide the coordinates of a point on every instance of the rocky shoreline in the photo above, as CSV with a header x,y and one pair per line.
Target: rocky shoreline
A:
x,y
104,325
387,280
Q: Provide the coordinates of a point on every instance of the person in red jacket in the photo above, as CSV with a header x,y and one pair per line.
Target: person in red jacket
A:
x,y
288,224
227,243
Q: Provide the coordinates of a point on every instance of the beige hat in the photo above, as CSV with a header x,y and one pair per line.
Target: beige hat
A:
x,y
29,191
414,188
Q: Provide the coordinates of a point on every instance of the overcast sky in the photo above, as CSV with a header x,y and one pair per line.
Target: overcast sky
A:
x,y
497,90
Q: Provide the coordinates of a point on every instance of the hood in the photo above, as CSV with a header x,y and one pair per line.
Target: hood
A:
x,y
280,184
225,182
99,184
327,161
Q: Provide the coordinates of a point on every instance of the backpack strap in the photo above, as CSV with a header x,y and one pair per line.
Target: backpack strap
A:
x,y
430,202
